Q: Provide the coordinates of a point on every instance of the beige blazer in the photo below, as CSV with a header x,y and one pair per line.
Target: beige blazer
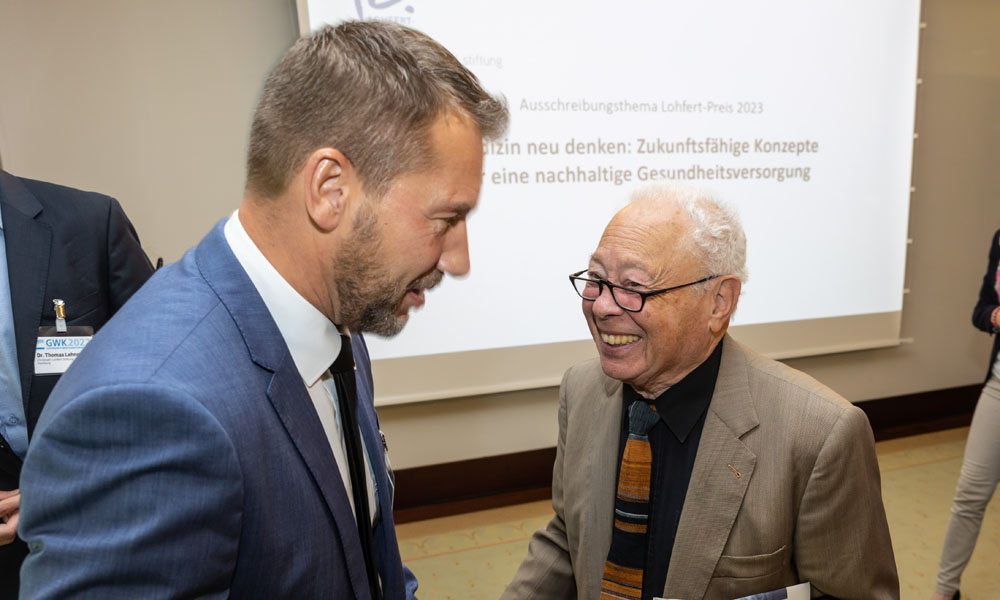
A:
x,y
785,489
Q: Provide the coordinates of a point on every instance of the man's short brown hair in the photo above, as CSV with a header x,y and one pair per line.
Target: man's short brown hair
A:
x,y
369,89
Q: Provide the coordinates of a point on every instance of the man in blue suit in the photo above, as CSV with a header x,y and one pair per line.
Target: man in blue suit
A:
x,y
200,447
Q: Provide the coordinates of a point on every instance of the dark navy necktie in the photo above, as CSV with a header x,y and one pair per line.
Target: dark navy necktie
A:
x,y
347,399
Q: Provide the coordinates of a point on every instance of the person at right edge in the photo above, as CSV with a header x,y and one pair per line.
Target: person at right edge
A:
x,y
981,465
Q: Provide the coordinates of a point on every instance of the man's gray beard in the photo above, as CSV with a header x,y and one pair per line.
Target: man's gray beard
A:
x,y
380,317
368,299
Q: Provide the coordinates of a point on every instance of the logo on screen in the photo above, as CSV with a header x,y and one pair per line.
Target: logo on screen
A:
x,y
382,10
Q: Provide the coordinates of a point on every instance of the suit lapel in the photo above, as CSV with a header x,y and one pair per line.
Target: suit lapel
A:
x,y
286,392
386,546
606,437
28,241
291,401
719,480
597,500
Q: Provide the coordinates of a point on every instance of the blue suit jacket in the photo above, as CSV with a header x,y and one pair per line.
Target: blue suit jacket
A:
x,y
181,457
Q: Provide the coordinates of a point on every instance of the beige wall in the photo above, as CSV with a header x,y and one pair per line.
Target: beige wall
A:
x,y
150,101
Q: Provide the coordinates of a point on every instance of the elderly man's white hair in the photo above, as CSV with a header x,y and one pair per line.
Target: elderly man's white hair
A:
x,y
717,236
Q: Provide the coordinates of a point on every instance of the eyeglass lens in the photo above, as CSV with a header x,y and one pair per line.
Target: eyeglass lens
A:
x,y
590,290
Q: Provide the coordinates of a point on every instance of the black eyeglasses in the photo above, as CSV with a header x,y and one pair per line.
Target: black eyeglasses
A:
x,y
626,299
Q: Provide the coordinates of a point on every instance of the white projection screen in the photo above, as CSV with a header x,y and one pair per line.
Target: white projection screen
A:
x,y
800,114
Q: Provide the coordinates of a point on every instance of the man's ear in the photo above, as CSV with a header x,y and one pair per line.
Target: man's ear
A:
x,y
727,294
331,185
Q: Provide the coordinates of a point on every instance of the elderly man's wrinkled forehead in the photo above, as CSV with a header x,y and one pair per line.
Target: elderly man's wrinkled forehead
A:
x,y
652,226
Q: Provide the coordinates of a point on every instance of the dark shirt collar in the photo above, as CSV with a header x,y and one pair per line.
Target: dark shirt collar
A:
x,y
683,404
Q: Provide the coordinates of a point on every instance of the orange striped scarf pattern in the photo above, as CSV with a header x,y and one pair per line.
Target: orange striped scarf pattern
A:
x,y
623,569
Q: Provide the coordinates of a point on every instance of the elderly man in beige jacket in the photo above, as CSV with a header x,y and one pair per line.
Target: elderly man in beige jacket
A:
x,y
745,476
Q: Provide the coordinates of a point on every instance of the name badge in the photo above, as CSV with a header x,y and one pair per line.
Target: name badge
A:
x,y
55,351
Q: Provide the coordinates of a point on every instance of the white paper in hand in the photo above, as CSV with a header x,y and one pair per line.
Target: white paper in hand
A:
x,y
802,591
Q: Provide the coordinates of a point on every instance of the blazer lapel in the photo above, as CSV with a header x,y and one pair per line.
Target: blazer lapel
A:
x,y
291,401
28,242
719,480
605,438
286,392
386,546
594,502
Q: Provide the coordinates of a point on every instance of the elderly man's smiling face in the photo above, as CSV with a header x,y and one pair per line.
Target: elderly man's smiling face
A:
x,y
647,246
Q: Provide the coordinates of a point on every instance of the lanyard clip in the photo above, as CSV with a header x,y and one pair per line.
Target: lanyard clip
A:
x,y
60,315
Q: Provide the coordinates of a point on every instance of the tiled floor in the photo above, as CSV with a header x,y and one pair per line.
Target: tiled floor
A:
x,y
473,556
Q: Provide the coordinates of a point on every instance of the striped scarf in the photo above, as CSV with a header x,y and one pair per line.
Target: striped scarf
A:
x,y
626,558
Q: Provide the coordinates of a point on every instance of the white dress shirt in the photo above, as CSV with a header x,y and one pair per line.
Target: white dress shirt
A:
x,y
312,339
